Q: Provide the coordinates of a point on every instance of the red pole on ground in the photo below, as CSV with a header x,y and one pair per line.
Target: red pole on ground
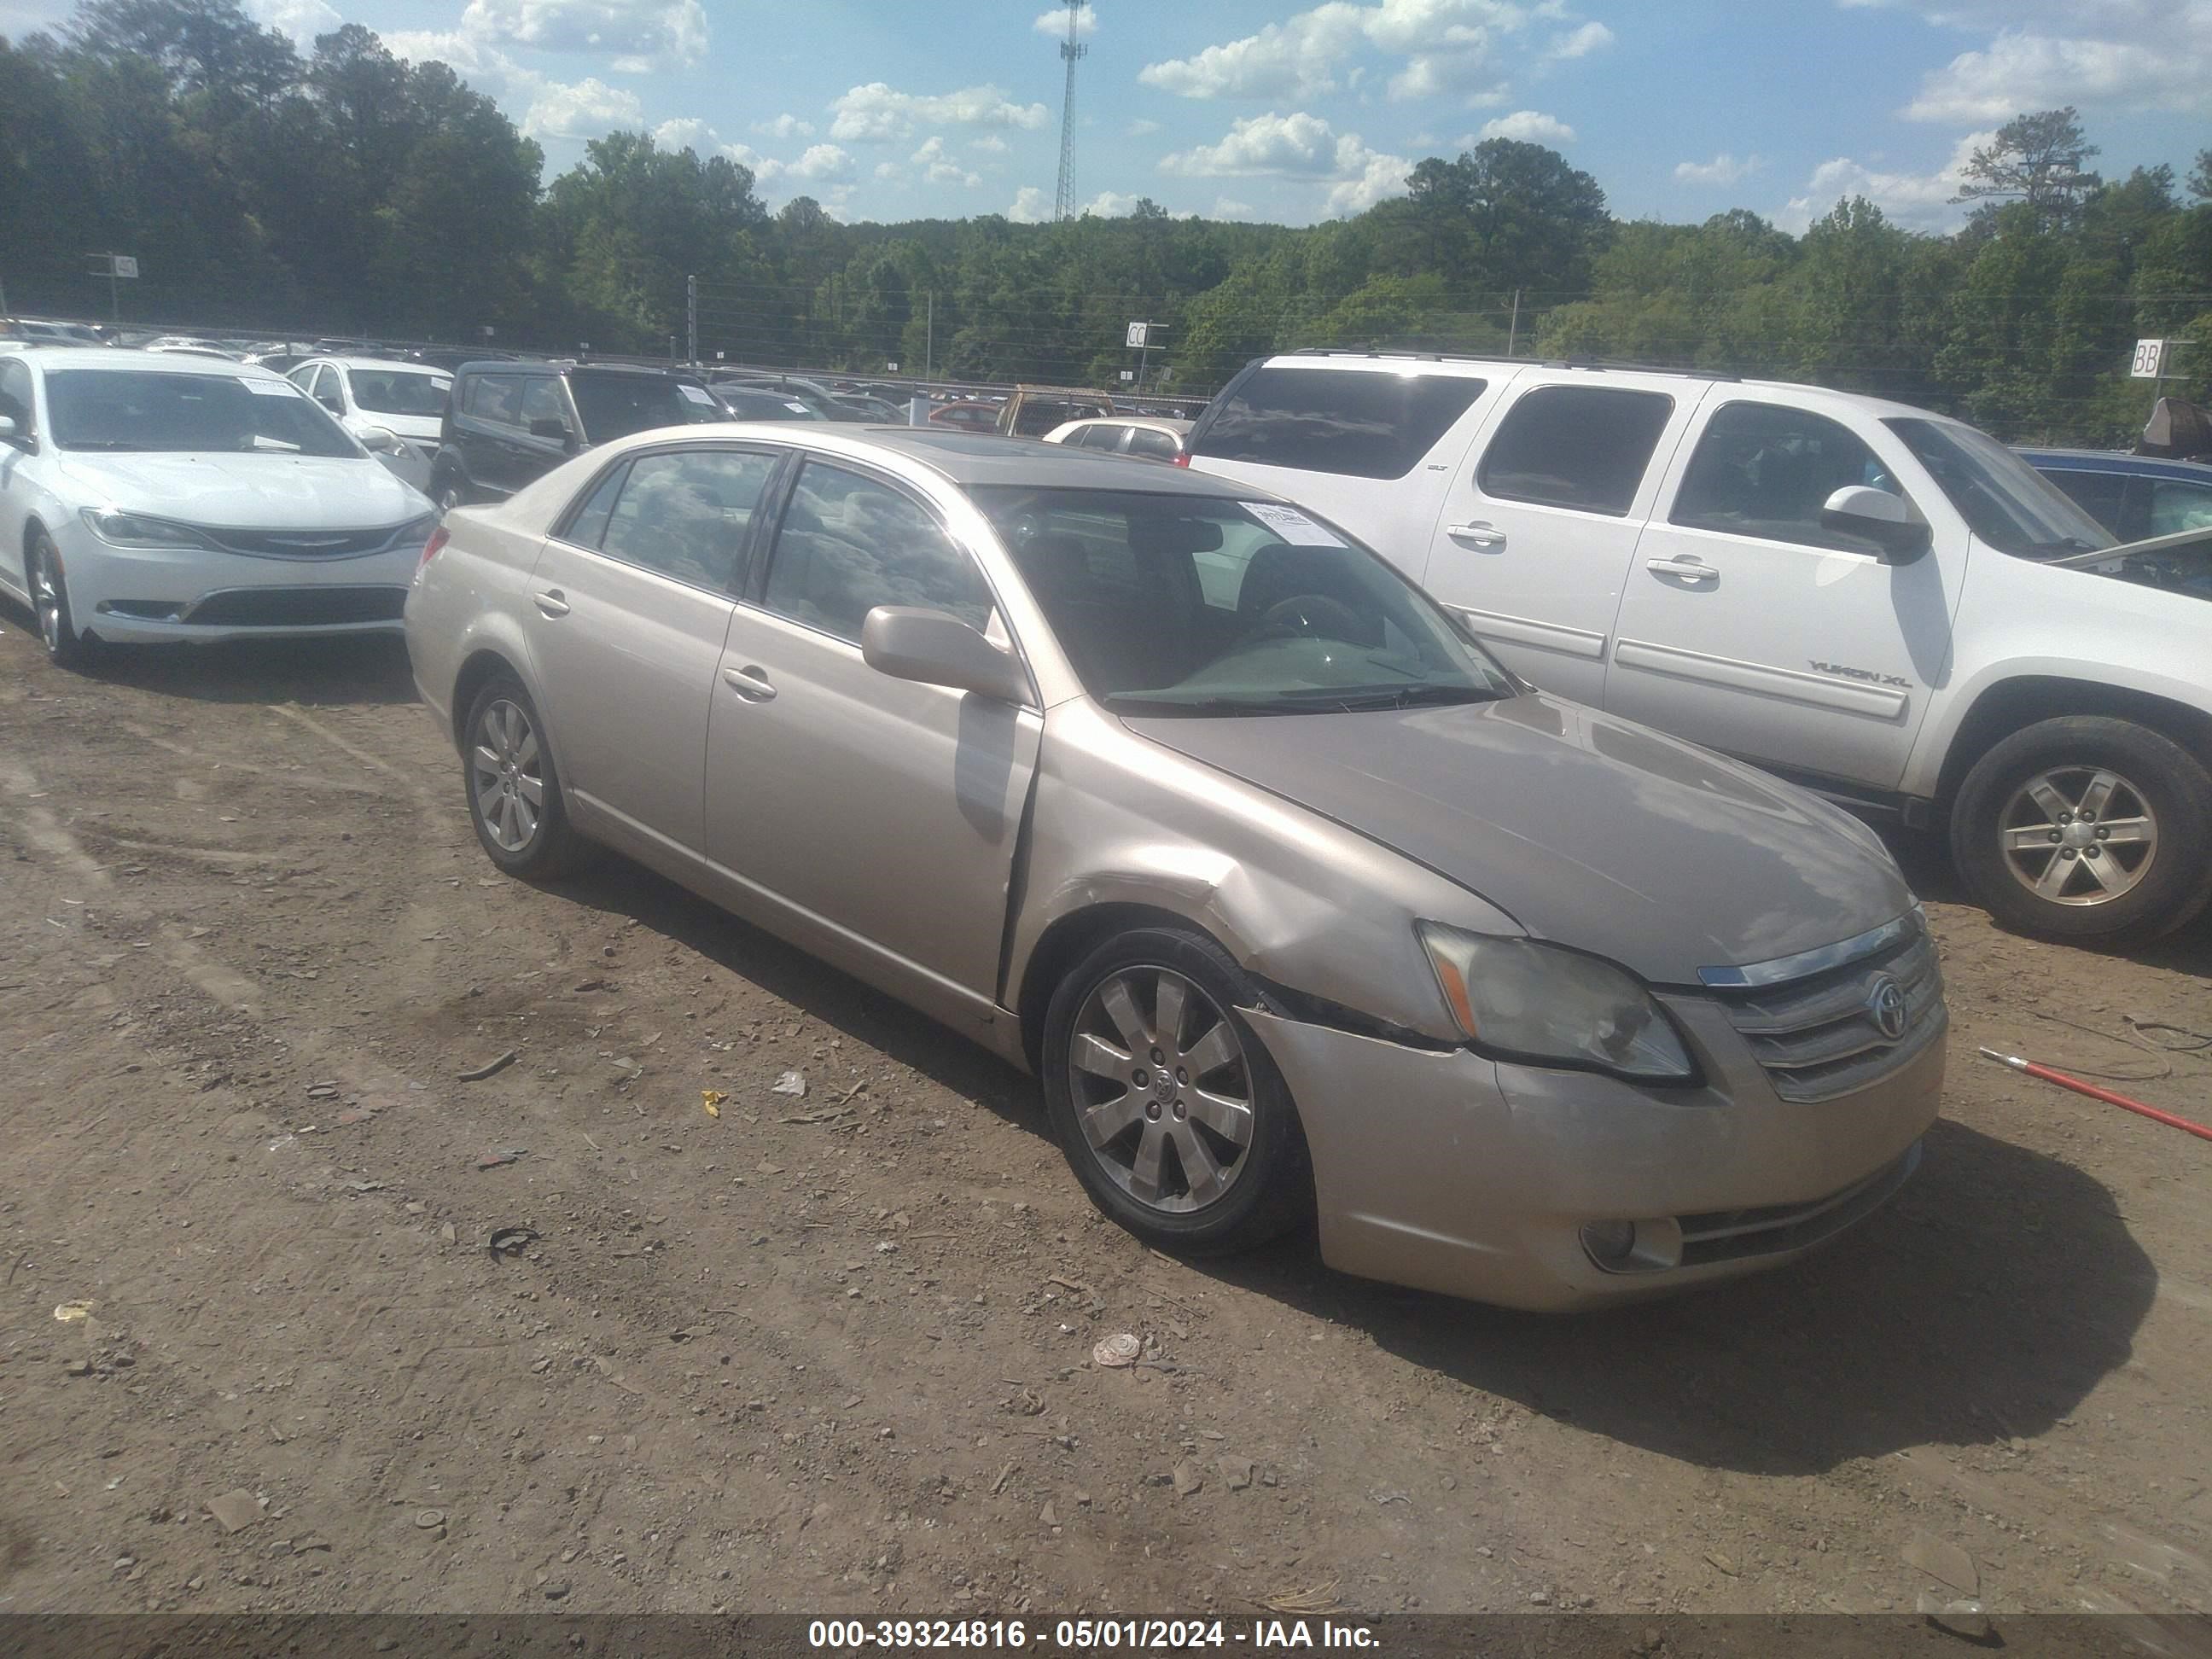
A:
x,y
2095,1093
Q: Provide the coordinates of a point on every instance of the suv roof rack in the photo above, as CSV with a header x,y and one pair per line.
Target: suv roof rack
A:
x,y
1494,357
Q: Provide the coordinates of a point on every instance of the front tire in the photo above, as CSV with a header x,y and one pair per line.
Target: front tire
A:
x,y
1167,1106
66,648
2087,828
515,803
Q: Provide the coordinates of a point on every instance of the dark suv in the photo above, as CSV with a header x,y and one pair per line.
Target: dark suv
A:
x,y
506,423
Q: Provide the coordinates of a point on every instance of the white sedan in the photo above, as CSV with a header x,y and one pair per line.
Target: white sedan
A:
x,y
153,497
397,409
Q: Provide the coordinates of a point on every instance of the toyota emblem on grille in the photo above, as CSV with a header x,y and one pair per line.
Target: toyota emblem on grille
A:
x,y
1884,1005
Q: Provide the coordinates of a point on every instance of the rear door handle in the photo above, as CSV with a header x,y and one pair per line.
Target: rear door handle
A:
x,y
552,602
1486,536
750,683
1693,570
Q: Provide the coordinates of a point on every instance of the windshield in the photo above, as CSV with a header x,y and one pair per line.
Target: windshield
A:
x,y
400,391
615,405
1177,605
138,409
2005,502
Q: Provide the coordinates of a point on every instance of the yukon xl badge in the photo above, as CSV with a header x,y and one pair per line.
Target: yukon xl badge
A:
x,y
1866,674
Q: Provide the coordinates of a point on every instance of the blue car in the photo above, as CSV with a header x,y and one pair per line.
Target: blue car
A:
x,y
2133,496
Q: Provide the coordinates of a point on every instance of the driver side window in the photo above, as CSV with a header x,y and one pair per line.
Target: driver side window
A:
x,y
849,543
1766,470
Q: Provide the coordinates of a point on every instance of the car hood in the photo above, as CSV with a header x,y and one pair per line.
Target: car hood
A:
x,y
1586,830
247,492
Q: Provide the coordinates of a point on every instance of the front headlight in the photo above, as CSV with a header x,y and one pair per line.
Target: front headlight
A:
x,y
136,529
1519,999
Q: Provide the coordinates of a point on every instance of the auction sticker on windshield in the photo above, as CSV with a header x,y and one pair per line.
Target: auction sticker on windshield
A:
x,y
1292,526
697,394
274,388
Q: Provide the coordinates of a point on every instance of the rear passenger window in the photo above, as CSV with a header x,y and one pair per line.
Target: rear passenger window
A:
x,y
1762,470
1155,445
2102,496
849,544
541,400
1360,423
687,515
1100,437
1582,446
497,398
589,523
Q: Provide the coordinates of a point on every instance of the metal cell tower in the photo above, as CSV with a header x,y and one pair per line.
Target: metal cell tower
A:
x,y
1063,201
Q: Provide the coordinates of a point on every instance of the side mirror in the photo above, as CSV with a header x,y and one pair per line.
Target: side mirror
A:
x,y
7,428
381,441
936,648
553,427
1878,517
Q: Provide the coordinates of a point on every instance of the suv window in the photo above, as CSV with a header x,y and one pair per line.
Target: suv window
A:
x,y
542,400
15,397
1582,446
687,515
1763,470
497,398
850,543
613,404
1362,423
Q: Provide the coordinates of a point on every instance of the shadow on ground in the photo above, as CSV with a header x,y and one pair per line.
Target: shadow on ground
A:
x,y
1987,1301
315,672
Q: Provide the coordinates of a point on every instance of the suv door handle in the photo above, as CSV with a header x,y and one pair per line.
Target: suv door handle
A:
x,y
750,683
1689,569
552,602
1487,537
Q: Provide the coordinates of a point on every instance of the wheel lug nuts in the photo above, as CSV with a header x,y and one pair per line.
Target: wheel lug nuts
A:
x,y
2102,832
2067,854
1181,1075
2088,852
1157,1056
1182,1111
1138,1078
1153,1110
2055,837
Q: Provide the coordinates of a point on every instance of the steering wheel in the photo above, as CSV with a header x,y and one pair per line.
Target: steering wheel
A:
x,y
1313,615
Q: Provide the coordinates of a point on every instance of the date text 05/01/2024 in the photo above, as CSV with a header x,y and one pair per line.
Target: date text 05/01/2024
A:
x,y
1086,1635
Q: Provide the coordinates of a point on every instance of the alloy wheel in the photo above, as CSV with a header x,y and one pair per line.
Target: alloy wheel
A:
x,y
506,776
46,598
2078,835
1162,1089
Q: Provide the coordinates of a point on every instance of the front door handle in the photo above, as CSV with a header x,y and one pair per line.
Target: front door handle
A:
x,y
1487,537
750,683
1691,570
552,602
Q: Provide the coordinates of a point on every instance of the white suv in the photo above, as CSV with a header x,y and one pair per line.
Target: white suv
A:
x,y
1876,601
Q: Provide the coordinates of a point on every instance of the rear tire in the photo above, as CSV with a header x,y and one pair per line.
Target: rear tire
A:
x,y
515,803
66,648
1167,1106
2087,828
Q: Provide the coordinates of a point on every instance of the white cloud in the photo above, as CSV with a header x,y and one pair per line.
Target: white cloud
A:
x,y
1723,169
1447,43
1030,206
646,29
1530,127
877,113
1579,43
932,150
685,132
1110,204
784,126
890,170
1918,201
589,108
951,172
2120,54
1227,207
1298,146
303,20
990,144
822,163
485,67
1054,22
1140,128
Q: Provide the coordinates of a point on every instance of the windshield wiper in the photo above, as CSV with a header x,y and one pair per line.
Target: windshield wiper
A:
x,y
1126,705
1412,696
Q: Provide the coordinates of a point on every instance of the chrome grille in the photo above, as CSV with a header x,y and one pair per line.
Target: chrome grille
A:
x,y
316,543
1818,1038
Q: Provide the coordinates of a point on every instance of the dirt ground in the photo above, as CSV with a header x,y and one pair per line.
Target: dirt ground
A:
x,y
830,1352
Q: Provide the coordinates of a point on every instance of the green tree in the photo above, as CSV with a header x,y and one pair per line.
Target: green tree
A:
x,y
2037,160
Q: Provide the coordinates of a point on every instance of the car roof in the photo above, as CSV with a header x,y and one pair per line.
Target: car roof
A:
x,y
2118,460
1157,423
392,363
970,459
560,366
143,362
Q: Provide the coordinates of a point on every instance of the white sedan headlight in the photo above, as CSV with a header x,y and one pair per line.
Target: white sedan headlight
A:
x,y
136,529
1519,1000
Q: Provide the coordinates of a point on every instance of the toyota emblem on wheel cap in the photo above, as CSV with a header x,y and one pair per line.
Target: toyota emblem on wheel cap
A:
x,y
1884,1005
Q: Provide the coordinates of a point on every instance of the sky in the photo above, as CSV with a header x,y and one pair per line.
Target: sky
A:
x,y
1254,109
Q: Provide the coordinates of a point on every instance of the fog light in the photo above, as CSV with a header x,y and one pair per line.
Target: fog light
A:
x,y
1609,1241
